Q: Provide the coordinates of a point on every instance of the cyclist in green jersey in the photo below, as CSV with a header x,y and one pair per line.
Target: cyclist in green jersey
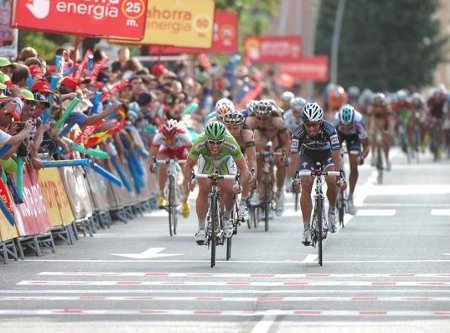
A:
x,y
215,150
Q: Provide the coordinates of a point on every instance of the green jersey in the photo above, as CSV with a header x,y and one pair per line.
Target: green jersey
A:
x,y
230,147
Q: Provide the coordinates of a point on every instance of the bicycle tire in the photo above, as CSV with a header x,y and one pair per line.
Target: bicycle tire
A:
x,y
171,206
379,164
341,208
229,243
296,201
214,226
266,203
319,212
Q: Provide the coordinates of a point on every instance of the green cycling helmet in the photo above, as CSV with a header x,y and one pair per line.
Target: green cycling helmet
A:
x,y
346,113
215,130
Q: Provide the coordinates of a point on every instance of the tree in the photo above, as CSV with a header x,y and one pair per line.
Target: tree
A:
x,y
254,15
385,45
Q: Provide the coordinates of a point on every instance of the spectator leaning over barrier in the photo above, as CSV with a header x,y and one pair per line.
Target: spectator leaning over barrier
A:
x,y
11,134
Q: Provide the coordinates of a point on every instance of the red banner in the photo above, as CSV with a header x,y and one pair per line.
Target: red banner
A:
x,y
102,18
224,40
267,49
307,68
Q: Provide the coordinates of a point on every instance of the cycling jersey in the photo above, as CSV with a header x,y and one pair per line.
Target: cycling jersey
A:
x,y
182,139
357,127
326,140
403,110
437,105
291,122
219,162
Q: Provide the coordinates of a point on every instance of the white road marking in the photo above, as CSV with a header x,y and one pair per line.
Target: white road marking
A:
x,y
152,252
266,322
250,275
216,292
440,212
220,313
231,262
310,258
376,212
234,284
263,299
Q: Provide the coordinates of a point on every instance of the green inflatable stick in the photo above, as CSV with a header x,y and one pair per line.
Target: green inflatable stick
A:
x,y
67,113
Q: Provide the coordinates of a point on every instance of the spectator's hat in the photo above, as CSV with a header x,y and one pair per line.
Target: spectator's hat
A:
x,y
41,99
5,79
4,62
41,86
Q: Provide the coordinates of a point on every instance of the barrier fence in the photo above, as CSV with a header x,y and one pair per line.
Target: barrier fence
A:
x,y
61,202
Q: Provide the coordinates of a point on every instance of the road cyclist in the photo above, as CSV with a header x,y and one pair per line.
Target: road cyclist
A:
x,y
316,141
215,150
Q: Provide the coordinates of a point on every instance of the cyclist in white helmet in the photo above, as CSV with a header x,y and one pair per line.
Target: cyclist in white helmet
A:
x,y
293,117
316,140
286,98
267,124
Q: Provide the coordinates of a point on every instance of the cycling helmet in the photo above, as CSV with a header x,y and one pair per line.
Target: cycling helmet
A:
x,y
251,106
215,130
223,106
378,98
264,108
417,99
312,112
346,114
234,118
287,96
402,95
170,128
337,97
353,92
297,103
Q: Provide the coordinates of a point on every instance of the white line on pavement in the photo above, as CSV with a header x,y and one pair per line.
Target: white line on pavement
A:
x,y
376,212
440,212
310,258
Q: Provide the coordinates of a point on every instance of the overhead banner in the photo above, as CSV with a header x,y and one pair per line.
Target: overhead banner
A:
x,y
187,23
101,18
269,49
224,39
307,68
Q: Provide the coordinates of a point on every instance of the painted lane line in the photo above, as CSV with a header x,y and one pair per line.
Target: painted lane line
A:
x,y
376,212
226,313
249,275
216,292
440,212
264,262
310,258
236,283
228,299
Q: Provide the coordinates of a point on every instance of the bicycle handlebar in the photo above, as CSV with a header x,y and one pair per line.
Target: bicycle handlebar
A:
x,y
167,161
303,173
214,175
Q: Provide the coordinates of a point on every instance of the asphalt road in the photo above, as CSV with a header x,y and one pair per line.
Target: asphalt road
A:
x,y
388,269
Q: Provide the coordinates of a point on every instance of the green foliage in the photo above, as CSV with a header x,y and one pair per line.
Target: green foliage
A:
x,y
384,45
254,15
45,44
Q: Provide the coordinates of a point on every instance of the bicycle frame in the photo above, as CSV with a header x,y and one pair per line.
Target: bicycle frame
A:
x,y
173,202
318,215
214,230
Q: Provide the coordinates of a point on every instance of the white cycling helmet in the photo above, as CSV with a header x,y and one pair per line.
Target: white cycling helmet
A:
x,y
297,103
224,106
312,112
287,96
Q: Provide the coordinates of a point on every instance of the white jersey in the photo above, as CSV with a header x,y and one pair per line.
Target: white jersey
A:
x,y
291,122
183,139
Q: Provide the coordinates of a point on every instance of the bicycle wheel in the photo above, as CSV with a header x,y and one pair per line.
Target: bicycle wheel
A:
x,y
266,203
296,201
214,227
319,213
341,208
379,163
172,207
229,242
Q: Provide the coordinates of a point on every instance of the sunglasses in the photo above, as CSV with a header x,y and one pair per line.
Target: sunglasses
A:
x,y
215,142
312,125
